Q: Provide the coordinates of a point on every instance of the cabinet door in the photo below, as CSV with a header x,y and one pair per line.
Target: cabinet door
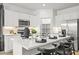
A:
x,y
71,16
8,43
11,18
74,15
34,21
23,16
67,16
59,20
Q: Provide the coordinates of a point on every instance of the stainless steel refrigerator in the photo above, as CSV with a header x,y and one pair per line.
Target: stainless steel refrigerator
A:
x,y
1,25
72,29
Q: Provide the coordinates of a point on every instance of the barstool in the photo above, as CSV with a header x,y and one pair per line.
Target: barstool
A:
x,y
68,47
62,50
48,51
71,42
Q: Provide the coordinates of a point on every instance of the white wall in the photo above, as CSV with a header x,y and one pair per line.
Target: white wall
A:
x,y
68,10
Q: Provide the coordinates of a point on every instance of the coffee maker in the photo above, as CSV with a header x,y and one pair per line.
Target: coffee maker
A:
x,y
63,32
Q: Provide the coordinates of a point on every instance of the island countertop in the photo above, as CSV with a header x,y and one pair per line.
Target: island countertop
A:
x,y
29,47
31,44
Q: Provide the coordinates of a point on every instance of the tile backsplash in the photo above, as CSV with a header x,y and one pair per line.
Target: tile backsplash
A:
x,y
9,30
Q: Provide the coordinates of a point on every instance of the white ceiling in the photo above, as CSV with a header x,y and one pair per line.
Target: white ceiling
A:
x,y
57,6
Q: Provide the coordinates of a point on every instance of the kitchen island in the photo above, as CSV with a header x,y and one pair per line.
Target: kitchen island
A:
x,y
29,46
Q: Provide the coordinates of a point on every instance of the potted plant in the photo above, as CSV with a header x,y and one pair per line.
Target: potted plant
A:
x,y
33,31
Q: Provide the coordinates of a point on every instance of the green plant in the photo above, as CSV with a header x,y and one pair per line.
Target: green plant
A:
x,y
34,31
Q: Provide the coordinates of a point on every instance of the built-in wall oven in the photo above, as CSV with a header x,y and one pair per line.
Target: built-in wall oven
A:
x,y
22,24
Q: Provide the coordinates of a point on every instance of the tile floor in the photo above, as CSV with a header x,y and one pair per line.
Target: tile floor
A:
x,y
7,53
11,53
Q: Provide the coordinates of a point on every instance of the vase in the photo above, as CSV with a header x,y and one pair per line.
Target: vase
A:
x,y
33,36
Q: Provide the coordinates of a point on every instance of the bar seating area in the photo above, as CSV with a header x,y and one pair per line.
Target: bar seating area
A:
x,y
66,48
48,51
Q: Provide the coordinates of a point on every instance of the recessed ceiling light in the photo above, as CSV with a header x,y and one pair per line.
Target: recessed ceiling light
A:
x,y
43,5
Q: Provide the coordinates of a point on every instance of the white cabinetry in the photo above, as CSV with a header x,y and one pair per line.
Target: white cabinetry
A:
x,y
8,43
35,21
11,18
67,16
75,15
23,16
71,16
64,17
59,20
46,13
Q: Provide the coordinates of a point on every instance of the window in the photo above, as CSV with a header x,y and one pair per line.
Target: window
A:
x,y
45,26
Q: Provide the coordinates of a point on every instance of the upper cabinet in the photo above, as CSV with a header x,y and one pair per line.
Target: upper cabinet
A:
x,y
45,13
23,16
11,18
67,17
34,21
75,15
60,19
71,16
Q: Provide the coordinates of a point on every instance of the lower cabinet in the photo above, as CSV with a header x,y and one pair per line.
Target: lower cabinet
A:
x,y
8,43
